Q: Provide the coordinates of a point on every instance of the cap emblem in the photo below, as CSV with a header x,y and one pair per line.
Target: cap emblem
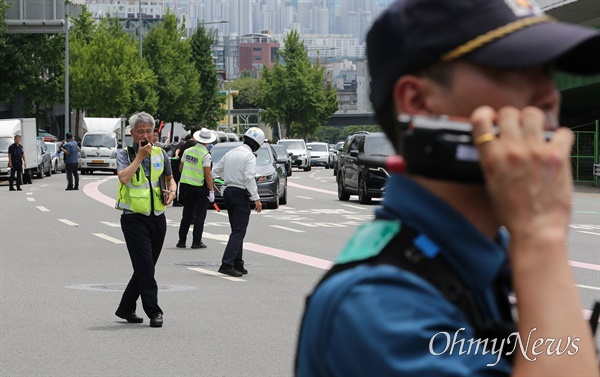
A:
x,y
524,8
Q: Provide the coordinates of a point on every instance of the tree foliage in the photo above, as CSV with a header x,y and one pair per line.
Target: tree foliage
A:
x,y
170,57
106,77
208,107
248,95
296,94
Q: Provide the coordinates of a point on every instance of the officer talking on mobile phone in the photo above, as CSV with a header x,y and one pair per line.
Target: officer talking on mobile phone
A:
x,y
423,290
140,168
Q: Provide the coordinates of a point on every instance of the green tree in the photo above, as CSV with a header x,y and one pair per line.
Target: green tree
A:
x,y
106,76
296,94
248,95
170,57
208,107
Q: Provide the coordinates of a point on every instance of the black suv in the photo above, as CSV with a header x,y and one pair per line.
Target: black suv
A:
x,y
357,177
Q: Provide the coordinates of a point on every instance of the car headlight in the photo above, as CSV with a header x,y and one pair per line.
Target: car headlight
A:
x,y
265,178
83,154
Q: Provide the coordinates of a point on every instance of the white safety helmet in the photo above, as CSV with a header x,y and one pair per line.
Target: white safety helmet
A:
x,y
256,134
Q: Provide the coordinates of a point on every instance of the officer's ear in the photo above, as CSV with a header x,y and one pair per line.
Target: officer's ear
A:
x,y
417,95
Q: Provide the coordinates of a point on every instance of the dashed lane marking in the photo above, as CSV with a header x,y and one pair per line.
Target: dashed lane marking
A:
x,y
30,193
356,207
112,225
108,238
31,199
304,197
581,231
588,287
289,229
43,209
213,273
68,222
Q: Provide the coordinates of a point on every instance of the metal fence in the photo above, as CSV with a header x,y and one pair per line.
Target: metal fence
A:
x,y
584,156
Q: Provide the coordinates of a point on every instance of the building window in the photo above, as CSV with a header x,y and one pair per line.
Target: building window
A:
x,y
256,48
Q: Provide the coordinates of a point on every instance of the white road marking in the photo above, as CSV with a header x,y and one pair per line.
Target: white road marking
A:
x,y
581,231
108,238
351,206
214,273
112,225
30,193
30,199
43,209
286,228
588,287
68,222
304,197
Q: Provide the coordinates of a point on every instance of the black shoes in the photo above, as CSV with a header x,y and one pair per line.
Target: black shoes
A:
x,y
12,189
241,269
19,189
156,320
229,270
198,245
69,189
181,244
177,204
75,188
129,317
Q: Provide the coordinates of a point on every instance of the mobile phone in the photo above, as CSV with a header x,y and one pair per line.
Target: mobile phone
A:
x,y
442,148
144,142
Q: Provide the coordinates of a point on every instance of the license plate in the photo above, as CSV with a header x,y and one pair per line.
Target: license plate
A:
x,y
97,161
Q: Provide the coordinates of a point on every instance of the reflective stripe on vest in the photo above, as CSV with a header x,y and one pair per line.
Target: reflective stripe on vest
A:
x,y
193,171
135,195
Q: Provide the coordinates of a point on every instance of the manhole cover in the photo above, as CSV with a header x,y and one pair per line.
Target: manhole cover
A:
x,y
121,287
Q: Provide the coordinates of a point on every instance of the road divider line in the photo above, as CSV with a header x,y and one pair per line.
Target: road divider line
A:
x,y
581,231
112,225
29,193
288,255
356,207
43,209
289,229
588,287
312,188
304,197
587,266
108,238
31,199
68,222
214,273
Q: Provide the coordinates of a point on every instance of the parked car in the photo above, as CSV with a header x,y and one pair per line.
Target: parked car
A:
x,y
57,155
355,175
282,151
271,177
46,136
300,152
320,155
337,150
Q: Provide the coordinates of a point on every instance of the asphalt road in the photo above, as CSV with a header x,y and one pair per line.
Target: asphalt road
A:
x,y
63,266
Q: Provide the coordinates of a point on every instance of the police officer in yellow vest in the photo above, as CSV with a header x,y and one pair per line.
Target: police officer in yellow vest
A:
x,y
197,182
140,168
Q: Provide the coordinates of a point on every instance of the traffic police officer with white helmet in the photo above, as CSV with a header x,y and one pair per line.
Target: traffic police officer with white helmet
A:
x,y
238,169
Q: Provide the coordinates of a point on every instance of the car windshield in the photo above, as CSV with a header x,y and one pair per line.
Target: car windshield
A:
x,y
319,147
5,142
51,147
98,140
280,150
292,144
263,157
378,145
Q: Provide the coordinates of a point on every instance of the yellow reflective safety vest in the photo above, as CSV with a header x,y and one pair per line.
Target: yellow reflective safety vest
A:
x,y
193,172
136,194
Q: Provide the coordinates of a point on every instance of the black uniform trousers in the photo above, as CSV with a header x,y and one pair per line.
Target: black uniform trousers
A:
x,y
195,205
144,236
17,169
176,177
72,175
238,210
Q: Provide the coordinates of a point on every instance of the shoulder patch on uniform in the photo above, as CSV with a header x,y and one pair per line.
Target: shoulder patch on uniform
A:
x,y
369,240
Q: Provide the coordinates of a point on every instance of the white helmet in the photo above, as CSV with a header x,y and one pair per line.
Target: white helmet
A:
x,y
256,134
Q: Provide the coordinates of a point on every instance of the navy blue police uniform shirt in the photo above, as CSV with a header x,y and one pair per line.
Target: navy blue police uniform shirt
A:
x,y
16,153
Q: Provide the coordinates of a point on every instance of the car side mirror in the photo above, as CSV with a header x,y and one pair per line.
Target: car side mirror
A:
x,y
354,153
290,154
281,160
310,148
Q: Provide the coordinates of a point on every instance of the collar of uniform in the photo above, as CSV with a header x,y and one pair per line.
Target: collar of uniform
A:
x,y
474,256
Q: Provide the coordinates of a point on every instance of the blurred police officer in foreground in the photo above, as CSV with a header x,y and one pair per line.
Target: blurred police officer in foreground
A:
x,y
383,309
140,168
238,169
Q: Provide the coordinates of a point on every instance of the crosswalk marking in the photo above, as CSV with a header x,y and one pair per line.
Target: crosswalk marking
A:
x,y
68,222
214,273
108,238
290,229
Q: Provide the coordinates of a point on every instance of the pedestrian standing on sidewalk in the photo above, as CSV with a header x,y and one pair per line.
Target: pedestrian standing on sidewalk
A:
x,y
238,169
199,188
71,150
140,168
16,163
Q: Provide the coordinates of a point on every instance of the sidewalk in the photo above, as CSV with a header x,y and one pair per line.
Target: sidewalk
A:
x,y
586,188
